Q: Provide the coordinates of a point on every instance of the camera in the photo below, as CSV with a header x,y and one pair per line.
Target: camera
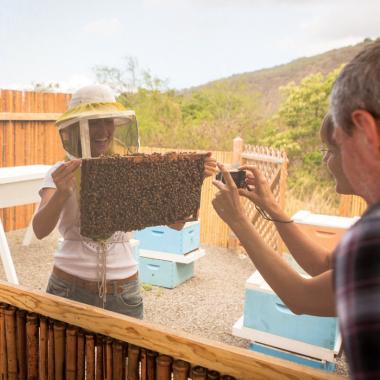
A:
x,y
238,177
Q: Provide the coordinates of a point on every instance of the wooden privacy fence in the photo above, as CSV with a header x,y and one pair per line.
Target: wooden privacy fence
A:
x,y
351,205
48,337
28,136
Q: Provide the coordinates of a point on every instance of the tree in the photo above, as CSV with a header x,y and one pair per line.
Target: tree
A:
x,y
129,78
45,87
207,118
213,116
295,128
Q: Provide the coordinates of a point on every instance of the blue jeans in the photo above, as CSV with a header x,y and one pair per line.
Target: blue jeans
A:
x,y
126,299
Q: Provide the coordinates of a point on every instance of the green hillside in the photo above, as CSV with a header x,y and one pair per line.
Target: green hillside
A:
x,y
268,81
281,107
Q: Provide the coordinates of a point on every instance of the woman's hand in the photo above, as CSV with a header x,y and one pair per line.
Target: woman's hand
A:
x,y
259,191
64,179
209,165
227,200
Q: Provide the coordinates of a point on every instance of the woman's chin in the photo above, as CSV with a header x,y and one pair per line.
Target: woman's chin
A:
x,y
99,148
98,153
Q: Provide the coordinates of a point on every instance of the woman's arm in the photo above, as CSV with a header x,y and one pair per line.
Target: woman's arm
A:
x,y
53,200
313,258
302,295
311,296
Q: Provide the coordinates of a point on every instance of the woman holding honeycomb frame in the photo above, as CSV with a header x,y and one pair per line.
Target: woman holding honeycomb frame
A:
x,y
101,274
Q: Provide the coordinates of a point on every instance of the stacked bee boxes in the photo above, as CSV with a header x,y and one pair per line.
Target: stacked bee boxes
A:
x,y
274,330
167,256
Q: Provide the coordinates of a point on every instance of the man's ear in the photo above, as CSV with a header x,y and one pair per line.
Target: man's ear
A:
x,y
366,125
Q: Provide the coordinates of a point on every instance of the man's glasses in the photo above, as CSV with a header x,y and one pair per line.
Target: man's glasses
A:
x,y
324,150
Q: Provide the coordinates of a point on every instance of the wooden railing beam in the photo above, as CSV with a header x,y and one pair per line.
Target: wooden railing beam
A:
x,y
243,364
25,116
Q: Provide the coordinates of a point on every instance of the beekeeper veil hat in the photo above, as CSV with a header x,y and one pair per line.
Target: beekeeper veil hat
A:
x,y
96,124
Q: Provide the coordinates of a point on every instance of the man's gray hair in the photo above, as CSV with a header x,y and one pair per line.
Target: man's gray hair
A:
x,y
357,87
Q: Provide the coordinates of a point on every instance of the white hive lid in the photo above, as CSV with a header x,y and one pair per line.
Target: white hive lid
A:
x,y
257,282
23,173
306,217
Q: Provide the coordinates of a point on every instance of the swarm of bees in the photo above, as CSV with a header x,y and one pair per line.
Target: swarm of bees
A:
x,y
127,193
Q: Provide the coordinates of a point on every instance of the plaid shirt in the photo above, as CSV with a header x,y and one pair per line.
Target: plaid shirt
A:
x,y
357,286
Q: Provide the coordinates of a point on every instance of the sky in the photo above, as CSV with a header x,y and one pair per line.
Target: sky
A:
x,y
186,42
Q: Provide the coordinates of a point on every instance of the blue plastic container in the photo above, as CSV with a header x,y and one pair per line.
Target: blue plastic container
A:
x,y
167,274
166,239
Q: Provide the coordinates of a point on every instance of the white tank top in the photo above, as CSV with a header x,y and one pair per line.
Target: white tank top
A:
x,y
78,255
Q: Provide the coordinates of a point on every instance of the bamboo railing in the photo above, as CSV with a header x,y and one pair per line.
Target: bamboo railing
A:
x,y
48,337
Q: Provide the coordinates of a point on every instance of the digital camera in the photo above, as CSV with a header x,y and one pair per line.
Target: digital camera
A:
x,y
238,177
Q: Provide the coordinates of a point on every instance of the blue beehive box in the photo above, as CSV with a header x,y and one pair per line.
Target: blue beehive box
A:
x,y
167,274
265,312
166,239
286,355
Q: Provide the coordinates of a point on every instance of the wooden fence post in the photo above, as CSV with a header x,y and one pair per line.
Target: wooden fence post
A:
x,y
237,150
282,196
345,205
351,205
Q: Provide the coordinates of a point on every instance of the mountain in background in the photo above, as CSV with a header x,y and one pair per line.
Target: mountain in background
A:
x,y
266,82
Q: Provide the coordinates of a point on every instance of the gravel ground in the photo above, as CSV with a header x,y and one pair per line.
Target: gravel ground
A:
x,y
206,305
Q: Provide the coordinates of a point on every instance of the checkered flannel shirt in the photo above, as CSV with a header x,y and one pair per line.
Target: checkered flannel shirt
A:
x,y
357,287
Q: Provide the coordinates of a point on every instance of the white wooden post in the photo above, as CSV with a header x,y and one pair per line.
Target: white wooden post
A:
x,y
6,258
19,186
237,150
29,234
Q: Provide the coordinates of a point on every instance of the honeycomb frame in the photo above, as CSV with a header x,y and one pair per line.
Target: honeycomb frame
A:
x,y
127,193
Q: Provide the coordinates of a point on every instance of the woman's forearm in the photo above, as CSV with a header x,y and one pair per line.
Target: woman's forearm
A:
x,y
301,295
313,258
48,214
